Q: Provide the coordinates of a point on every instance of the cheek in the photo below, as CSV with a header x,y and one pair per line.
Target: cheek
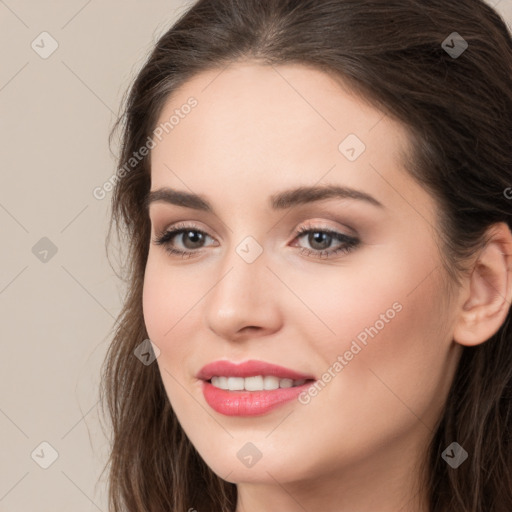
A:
x,y
167,309
172,302
394,341
156,302
379,291
389,322
167,300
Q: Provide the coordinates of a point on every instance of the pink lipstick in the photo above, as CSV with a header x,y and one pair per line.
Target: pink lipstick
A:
x,y
250,388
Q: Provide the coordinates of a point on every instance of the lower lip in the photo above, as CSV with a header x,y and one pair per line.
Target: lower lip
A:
x,y
249,403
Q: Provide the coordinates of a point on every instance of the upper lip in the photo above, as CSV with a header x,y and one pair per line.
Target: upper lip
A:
x,y
248,369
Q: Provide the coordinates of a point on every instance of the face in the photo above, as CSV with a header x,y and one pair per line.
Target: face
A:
x,y
345,289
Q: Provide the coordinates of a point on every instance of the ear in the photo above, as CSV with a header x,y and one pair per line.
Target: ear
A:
x,y
487,292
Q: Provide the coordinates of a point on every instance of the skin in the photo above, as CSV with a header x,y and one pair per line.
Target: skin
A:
x,y
358,444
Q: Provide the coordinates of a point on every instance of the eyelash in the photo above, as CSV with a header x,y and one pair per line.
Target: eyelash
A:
x,y
350,242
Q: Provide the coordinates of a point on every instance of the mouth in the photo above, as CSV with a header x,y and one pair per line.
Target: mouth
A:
x,y
250,388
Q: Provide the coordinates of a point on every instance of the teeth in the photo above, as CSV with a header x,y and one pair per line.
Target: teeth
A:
x,y
256,383
235,383
285,383
253,383
270,382
222,382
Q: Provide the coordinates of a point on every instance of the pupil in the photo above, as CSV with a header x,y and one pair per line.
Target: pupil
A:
x,y
319,238
194,237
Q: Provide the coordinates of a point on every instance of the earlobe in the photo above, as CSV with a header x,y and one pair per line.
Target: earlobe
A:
x,y
488,292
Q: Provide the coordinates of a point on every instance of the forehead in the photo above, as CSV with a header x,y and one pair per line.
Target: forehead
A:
x,y
270,102
256,126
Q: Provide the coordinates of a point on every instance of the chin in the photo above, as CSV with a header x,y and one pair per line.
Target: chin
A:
x,y
234,464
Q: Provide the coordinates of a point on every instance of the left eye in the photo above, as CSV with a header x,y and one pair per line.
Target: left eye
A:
x,y
319,239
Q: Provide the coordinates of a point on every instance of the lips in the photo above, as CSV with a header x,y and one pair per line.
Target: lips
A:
x,y
241,402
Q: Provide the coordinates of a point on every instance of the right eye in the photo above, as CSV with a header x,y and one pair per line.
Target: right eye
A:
x,y
191,239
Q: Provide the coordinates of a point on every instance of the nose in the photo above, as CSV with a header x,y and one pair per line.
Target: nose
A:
x,y
243,302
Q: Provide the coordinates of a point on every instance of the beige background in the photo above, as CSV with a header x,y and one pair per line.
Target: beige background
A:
x,y
56,114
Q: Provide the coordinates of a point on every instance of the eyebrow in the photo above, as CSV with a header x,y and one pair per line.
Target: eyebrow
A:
x,y
280,201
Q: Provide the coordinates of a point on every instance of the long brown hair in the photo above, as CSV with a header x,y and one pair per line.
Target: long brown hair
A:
x,y
458,111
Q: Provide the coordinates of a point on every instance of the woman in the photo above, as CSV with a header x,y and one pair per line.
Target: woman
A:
x,y
316,202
